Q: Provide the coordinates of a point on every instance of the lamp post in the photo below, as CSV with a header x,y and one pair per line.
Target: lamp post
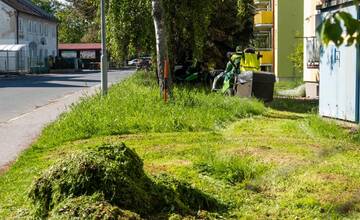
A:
x,y
104,65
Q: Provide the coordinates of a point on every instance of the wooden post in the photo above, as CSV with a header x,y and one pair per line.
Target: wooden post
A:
x,y
166,80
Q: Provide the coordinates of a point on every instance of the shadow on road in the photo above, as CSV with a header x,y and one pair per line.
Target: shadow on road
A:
x,y
48,80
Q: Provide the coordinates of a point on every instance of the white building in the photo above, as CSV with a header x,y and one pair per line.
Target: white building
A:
x,y
31,30
311,48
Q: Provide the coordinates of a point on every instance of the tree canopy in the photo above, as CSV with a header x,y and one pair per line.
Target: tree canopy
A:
x,y
202,30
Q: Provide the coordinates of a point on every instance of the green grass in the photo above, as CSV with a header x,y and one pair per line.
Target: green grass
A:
x,y
286,163
135,106
230,168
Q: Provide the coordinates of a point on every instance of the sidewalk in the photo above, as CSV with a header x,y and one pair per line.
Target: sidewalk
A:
x,y
18,133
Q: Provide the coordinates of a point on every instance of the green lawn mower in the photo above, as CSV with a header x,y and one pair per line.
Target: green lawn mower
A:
x,y
243,77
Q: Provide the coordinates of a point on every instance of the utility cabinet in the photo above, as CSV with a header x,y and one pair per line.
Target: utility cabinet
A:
x,y
339,75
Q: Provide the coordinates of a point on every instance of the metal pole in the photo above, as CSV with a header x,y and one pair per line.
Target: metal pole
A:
x,y
104,78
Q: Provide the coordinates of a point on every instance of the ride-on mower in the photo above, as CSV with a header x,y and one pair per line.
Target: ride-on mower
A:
x,y
243,77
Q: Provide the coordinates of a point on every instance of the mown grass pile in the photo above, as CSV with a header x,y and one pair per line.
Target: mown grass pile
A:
x,y
134,106
90,207
109,182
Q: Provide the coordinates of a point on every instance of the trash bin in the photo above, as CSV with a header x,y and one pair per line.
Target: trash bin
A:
x,y
244,83
263,86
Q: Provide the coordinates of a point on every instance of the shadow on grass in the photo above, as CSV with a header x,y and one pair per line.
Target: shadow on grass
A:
x,y
276,115
294,105
349,207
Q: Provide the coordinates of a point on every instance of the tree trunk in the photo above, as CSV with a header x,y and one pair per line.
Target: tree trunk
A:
x,y
161,47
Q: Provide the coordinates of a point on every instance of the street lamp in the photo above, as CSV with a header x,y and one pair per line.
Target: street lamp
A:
x,y
104,77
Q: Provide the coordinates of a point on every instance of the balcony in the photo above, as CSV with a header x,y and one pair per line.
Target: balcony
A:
x,y
321,4
264,19
267,58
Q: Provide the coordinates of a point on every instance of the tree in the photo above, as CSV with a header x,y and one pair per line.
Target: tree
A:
x,y
182,30
177,31
130,29
196,30
50,6
71,26
161,46
340,27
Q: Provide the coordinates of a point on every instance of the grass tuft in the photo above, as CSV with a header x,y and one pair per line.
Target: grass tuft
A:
x,y
232,169
325,128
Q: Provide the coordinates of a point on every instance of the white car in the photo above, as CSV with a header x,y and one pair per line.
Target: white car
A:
x,y
133,62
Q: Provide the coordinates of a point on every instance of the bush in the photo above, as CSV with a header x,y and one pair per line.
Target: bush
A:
x,y
116,172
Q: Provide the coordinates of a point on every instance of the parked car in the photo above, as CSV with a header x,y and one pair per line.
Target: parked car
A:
x,y
134,62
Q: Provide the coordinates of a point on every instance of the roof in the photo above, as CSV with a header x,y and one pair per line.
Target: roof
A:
x,y
80,46
11,47
27,7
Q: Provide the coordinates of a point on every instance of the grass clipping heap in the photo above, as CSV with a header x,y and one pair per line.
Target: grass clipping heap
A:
x,y
110,183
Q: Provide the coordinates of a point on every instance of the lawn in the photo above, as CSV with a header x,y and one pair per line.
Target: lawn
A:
x,y
278,162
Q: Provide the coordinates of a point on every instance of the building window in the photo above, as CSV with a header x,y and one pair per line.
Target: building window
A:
x,y
262,40
263,5
53,32
29,26
69,54
312,52
33,27
21,28
88,54
46,30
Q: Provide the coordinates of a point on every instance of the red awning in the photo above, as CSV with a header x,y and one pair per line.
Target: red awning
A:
x,y
80,46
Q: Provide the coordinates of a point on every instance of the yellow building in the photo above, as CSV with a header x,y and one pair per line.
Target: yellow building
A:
x,y
278,25
264,28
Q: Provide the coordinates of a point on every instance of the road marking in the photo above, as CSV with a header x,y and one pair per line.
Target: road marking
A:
x,y
21,116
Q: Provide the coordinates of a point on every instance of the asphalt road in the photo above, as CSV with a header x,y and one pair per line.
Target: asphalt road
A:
x,y
22,94
28,103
